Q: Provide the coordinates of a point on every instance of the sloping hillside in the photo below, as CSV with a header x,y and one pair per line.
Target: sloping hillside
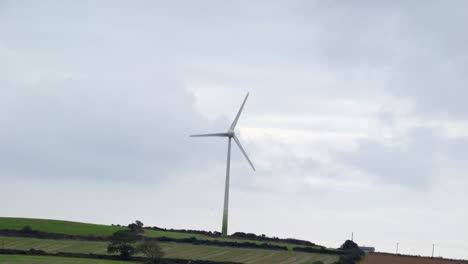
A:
x,y
171,249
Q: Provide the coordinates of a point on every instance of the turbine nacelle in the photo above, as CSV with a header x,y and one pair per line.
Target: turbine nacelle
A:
x,y
231,133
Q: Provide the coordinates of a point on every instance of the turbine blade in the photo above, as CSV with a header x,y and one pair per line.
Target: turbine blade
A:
x,y
243,151
234,123
211,135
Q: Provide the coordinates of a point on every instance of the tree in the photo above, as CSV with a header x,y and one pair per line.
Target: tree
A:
x,y
349,245
151,249
136,227
123,241
353,253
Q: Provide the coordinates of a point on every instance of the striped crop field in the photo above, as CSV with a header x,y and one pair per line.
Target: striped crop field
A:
x,y
86,229
243,255
53,245
22,259
174,250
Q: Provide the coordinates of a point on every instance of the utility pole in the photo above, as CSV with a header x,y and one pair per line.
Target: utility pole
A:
x,y
433,250
397,247
352,236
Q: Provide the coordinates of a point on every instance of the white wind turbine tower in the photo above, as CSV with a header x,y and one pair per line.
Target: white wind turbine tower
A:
x,y
230,134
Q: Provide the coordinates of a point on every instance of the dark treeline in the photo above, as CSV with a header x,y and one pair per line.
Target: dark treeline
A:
x,y
252,236
239,235
320,250
195,241
35,252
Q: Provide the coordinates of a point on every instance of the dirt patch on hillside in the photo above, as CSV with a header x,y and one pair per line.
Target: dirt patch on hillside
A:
x,y
382,258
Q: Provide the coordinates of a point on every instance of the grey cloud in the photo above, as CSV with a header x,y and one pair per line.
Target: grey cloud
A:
x,y
83,96
413,160
235,45
100,130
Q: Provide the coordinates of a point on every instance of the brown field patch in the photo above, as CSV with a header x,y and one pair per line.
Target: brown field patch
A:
x,y
383,258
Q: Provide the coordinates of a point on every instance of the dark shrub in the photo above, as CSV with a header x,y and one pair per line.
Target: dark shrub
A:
x,y
27,229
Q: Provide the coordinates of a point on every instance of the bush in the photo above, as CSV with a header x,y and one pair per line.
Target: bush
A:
x,y
151,249
349,245
353,253
27,229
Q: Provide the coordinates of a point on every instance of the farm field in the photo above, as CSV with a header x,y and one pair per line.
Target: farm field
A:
x,y
379,258
21,259
53,246
85,229
174,250
243,255
74,228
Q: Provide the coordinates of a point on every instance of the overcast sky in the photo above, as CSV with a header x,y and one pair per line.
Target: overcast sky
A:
x,y
356,121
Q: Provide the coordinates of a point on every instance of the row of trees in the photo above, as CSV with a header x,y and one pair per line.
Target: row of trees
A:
x,y
241,235
263,237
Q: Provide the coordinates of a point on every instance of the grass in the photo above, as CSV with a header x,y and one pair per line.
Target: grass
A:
x,y
21,259
53,245
173,250
78,228
86,229
58,226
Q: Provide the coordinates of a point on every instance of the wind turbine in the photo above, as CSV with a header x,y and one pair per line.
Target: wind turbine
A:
x,y
230,134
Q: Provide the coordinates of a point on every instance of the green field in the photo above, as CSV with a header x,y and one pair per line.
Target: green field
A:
x,y
85,229
21,259
57,226
173,250
81,229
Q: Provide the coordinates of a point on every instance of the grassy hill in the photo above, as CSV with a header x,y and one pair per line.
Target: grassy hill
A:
x,y
87,229
81,229
58,226
171,249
